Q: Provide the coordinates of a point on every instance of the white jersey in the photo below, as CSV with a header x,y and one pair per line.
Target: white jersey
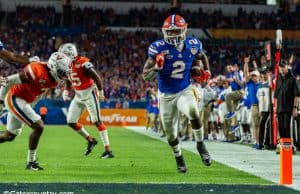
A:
x,y
205,94
222,110
263,96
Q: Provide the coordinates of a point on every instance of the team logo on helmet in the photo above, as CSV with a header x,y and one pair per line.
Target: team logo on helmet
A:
x,y
174,30
59,65
69,49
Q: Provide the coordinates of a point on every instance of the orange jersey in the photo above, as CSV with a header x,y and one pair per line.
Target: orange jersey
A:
x,y
39,81
79,80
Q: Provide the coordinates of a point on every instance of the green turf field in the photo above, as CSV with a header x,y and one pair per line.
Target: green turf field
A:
x,y
139,159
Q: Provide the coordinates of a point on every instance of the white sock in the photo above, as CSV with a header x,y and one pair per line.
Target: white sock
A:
x,y
31,157
83,132
104,137
176,150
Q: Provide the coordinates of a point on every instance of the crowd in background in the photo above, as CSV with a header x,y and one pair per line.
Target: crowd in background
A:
x,y
119,56
92,18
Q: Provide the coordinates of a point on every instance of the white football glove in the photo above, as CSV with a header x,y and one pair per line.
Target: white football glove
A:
x,y
66,95
34,59
101,95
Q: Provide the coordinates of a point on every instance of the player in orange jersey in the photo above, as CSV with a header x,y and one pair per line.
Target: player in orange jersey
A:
x,y
19,91
88,91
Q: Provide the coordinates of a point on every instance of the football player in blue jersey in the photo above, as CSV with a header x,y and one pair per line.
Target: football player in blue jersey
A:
x,y
12,57
171,60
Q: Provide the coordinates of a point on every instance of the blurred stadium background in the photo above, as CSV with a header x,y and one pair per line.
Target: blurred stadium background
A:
x,y
115,34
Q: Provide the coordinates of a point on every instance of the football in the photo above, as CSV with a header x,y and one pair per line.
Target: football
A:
x,y
195,71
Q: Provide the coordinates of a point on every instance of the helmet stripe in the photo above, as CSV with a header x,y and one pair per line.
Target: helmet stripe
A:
x,y
173,19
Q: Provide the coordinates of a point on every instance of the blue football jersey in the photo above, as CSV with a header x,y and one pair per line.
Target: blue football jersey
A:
x,y
175,75
251,91
1,46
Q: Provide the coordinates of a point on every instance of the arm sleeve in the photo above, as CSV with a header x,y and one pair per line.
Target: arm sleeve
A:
x,y
152,50
195,43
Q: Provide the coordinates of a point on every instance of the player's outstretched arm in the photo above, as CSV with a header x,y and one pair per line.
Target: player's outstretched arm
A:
x,y
246,68
16,58
150,70
92,73
203,57
204,72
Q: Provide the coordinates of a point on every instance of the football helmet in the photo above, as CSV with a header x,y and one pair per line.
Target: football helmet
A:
x,y
174,30
59,65
69,49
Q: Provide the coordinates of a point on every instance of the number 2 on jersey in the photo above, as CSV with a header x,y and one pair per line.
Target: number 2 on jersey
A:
x,y
177,73
75,80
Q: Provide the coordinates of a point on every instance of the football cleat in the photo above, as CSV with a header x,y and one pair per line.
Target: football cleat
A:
x,y
90,146
233,129
107,154
33,166
205,156
230,115
180,164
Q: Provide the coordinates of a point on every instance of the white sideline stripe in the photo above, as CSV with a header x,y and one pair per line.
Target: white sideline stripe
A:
x,y
261,163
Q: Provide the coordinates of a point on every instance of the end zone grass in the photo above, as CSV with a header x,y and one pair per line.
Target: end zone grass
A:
x,y
138,159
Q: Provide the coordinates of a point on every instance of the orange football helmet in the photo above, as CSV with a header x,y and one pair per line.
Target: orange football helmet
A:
x,y
174,29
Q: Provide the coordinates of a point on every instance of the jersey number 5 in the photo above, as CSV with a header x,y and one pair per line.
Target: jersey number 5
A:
x,y
75,80
177,73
